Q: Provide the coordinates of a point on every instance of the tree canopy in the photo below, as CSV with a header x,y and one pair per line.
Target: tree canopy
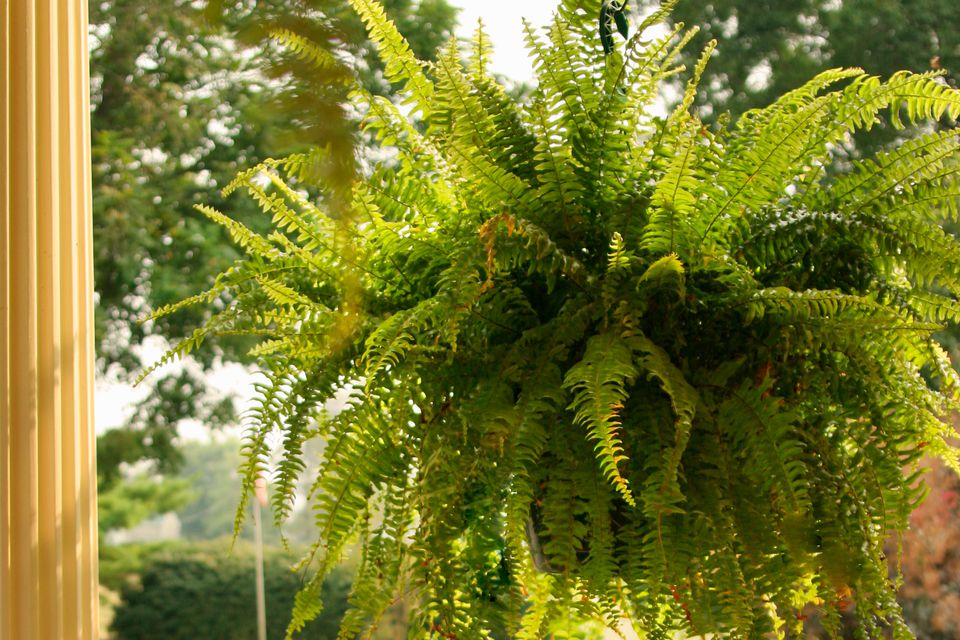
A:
x,y
769,47
602,364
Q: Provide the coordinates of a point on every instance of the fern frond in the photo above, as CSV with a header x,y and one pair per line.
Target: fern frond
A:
x,y
262,419
916,162
307,50
179,351
481,50
387,344
400,64
599,386
560,186
247,239
683,399
683,107
674,198
759,423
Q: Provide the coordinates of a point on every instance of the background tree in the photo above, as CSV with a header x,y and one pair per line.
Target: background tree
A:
x,y
768,47
211,470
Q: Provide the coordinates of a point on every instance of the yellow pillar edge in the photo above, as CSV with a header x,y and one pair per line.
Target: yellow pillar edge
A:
x,y
48,528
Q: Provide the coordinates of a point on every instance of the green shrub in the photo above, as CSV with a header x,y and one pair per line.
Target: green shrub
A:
x,y
188,594
601,363
119,564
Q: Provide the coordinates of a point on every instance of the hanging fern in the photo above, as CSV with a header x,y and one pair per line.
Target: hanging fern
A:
x,y
602,364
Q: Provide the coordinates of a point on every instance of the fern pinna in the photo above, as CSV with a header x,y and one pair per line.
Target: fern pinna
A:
x,y
600,364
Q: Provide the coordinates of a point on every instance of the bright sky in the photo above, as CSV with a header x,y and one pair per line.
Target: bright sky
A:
x,y
502,21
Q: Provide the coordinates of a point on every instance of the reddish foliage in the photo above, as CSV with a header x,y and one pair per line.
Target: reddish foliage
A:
x,y
931,559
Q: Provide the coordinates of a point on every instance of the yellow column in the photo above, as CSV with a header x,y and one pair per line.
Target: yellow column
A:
x,y
48,529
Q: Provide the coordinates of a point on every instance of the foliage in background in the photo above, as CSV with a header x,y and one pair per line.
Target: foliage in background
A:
x,y
605,364
769,47
185,593
198,585
211,471
931,559
120,565
184,97
126,504
137,465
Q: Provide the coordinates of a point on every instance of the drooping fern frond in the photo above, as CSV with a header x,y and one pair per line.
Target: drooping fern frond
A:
x,y
599,385
598,363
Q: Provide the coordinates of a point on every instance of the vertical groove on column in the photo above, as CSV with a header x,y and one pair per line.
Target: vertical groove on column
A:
x,y
22,325
83,281
5,567
48,529
50,216
70,169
